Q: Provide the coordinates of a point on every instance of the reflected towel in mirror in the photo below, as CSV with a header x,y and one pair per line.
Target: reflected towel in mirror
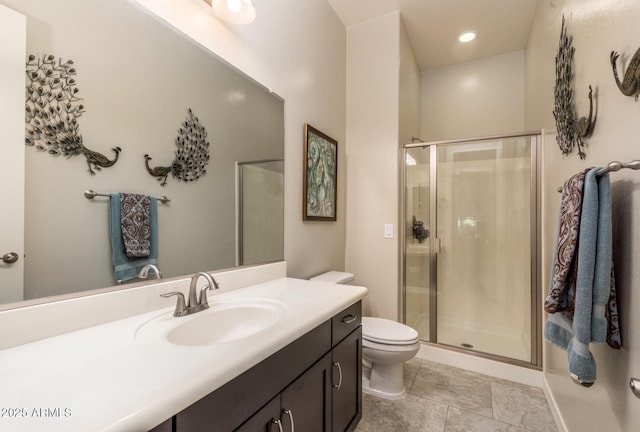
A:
x,y
135,224
125,267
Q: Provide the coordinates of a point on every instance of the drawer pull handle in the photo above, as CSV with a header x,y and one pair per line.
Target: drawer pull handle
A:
x,y
278,422
337,386
349,319
290,414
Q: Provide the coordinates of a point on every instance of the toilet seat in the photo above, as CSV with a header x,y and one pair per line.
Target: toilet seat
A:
x,y
390,347
387,332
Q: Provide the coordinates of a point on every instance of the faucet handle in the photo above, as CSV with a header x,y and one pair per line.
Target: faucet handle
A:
x,y
181,307
211,285
202,300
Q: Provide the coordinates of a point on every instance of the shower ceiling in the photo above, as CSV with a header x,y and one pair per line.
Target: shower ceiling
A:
x,y
434,26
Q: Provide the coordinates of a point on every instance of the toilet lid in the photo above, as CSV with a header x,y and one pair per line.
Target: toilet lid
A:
x,y
387,332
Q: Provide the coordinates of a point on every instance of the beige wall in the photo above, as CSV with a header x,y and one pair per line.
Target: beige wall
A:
x,y
302,59
410,106
598,27
373,104
473,99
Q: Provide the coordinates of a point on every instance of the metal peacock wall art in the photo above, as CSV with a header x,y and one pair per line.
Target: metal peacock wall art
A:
x,y
52,110
630,84
192,153
570,132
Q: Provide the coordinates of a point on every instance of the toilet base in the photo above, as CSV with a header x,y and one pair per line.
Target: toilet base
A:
x,y
385,382
366,388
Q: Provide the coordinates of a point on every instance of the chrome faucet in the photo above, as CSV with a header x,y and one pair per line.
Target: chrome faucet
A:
x,y
144,272
211,285
193,304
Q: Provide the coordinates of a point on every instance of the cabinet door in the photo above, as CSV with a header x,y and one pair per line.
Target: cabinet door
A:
x,y
231,405
306,403
347,382
265,420
166,426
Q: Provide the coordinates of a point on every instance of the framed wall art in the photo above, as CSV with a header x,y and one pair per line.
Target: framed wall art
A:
x,y
320,176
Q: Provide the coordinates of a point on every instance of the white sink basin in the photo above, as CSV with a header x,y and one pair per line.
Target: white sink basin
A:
x,y
225,321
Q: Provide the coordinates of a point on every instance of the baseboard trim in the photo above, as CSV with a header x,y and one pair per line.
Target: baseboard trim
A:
x,y
553,406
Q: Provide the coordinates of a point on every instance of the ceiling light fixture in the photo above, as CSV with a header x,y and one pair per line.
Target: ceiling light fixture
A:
x,y
234,11
467,36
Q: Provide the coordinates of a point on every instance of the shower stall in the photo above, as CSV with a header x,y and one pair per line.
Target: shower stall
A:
x,y
470,261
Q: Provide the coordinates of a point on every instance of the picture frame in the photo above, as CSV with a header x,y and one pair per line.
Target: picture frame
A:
x,y
320,176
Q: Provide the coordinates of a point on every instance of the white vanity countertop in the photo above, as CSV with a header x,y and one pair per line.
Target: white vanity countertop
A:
x,y
104,379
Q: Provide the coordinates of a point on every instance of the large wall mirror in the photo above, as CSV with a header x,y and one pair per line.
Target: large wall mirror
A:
x,y
137,79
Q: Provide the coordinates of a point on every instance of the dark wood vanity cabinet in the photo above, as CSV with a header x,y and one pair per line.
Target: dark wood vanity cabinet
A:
x,y
314,384
346,398
303,405
166,426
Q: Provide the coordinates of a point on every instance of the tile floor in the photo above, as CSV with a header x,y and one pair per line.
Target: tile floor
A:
x,y
442,398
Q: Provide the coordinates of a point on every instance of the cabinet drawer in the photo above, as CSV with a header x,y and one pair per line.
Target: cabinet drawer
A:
x,y
345,322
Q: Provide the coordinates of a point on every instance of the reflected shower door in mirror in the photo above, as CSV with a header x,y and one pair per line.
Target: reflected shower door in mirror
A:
x,y
260,211
137,85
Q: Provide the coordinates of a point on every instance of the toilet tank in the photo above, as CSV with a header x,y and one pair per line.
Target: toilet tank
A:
x,y
335,277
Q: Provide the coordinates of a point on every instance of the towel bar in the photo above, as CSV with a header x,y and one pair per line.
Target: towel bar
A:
x,y
616,166
634,383
90,194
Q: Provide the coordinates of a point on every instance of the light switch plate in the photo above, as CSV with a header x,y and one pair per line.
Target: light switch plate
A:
x,y
388,231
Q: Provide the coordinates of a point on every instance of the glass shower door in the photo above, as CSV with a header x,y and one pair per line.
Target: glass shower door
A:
x,y
484,232
417,275
470,249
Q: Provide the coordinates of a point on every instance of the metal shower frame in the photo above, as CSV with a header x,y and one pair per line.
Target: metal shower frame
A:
x,y
536,289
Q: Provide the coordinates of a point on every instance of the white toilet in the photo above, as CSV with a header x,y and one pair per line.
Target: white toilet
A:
x,y
386,345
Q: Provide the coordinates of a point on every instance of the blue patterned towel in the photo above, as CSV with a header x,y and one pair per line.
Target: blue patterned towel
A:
x,y
135,222
591,320
125,267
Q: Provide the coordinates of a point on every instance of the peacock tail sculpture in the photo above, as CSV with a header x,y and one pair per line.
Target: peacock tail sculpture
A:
x,y
192,153
52,110
570,131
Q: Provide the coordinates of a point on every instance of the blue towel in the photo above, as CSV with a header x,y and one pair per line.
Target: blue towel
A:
x,y
593,283
126,268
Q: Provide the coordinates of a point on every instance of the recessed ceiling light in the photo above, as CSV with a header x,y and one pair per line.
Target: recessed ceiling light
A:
x,y
467,36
